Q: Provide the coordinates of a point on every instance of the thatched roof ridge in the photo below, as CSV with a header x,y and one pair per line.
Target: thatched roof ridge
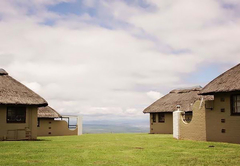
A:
x,y
13,92
229,81
183,97
186,90
47,112
3,72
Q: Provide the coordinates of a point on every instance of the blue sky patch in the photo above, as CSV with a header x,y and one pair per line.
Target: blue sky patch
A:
x,y
49,22
141,3
204,74
76,8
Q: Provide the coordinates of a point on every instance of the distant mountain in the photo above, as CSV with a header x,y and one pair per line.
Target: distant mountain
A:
x,y
133,126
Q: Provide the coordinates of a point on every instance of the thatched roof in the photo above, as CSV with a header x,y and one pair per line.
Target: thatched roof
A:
x,y
183,97
14,93
47,112
229,81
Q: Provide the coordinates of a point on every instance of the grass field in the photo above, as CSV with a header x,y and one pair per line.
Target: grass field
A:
x,y
117,149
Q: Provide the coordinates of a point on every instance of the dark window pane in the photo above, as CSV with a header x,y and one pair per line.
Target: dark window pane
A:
x,y
235,105
38,122
154,117
238,109
16,114
238,97
161,117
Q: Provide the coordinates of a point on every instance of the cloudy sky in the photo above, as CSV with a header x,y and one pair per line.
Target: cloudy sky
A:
x,y
112,58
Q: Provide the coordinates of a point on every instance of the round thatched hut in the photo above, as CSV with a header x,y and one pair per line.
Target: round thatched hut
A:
x,y
161,119
51,123
18,109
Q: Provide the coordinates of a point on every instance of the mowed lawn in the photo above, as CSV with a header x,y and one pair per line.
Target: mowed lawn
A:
x,y
117,149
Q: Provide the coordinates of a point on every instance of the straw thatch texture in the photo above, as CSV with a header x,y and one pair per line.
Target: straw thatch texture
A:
x,y
14,93
229,81
47,112
183,97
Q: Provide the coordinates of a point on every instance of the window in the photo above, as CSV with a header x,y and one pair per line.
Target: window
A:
x,y
161,117
235,104
188,116
38,122
16,114
154,117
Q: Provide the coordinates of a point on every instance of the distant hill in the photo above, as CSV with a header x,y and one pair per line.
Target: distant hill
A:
x,y
116,127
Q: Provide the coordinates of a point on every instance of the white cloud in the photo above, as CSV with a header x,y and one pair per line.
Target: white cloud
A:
x,y
204,28
82,68
154,95
36,87
89,3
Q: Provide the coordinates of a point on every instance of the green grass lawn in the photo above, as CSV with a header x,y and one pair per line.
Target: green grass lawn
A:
x,y
117,149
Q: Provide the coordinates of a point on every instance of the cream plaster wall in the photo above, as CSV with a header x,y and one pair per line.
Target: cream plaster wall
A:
x,y
196,129
222,110
162,128
51,127
19,131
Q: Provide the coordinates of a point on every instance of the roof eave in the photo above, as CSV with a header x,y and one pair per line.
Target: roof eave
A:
x,y
20,104
157,111
215,92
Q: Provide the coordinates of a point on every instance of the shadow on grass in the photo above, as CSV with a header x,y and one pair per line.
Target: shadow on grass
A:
x,y
26,140
41,140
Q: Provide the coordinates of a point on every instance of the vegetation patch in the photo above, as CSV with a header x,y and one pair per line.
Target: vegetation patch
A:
x,y
117,149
